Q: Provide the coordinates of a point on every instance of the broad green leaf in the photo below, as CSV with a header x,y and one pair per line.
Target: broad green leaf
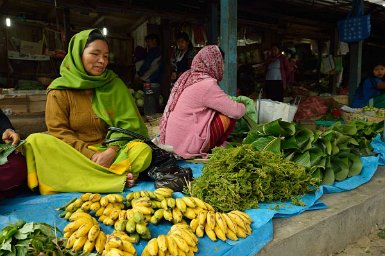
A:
x,y
316,155
355,163
317,174
303,159
328,177
269,143
340,167
288,128
27,228
290,143
290,156
273,128
335,148
252,136
303,136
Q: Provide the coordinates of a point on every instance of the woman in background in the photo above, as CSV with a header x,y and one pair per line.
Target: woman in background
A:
x,y
199,115
183,56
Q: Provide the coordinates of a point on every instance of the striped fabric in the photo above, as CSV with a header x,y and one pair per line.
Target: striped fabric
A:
x,y
220,129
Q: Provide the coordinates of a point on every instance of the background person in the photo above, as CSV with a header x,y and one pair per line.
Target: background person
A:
x,y
13,173
199,115
81,105
277,69
150,70
182,57
372,87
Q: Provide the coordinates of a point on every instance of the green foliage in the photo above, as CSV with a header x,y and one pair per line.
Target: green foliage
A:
x,y
240,177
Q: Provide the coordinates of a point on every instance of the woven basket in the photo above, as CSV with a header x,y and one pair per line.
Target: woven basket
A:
x,y
360,116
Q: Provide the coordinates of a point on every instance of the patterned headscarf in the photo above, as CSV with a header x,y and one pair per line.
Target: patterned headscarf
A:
x,y
208,63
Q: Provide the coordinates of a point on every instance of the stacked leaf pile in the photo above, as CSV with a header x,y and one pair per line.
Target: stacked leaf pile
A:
x,y
240,177
328,155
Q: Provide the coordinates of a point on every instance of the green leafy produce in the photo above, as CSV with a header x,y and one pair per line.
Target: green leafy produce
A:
x,y
241,177
21,238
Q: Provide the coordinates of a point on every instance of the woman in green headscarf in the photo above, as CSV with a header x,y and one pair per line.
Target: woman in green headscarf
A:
x,y
81,105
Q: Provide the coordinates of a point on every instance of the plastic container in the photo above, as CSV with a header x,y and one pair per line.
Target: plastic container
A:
x,y
151,98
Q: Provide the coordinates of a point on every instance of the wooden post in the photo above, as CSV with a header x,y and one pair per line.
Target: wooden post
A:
x,y
228,43
354,68
213,29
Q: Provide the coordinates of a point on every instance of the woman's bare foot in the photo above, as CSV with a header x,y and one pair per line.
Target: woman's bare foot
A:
x,y
130,182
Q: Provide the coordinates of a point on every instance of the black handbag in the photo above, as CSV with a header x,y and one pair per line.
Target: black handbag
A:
x,y
163,168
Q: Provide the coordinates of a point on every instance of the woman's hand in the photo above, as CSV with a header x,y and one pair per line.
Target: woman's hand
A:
x,y
105,158
10,136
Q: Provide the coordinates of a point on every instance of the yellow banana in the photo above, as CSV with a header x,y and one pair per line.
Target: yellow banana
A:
x,y
165,192
67,234
142,202
86,206
104,201
128,247
241,232
138,216
200,231
231,235
71,227
114,241
156,204
115,252
137,194
220,222
130,226
110,198
107,211
181,243
122,215
114,215
229,223
194,224
68,215
93,233
202,217
219,232
108,221
102,218
152,247
162,243
118,198
210,219
78,203
143,209
164,204
238,220
158,197
99,212
172,247
144,193
89,246
189,202
167,215
100,242
171,202
209,207
180,204
83,229
145,252
190,213
158,215
129,214
70,241
79,243
190,238
199,202
210,232
248,230
181,253
177,215
77,215
85,197
95,197
71,207
95,206
135,238
245,215
151,194
120,225
141,228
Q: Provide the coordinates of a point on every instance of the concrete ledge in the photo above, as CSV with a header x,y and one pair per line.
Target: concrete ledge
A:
x,y
350,216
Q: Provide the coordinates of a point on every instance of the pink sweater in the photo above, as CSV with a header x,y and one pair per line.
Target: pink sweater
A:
x,y
188,127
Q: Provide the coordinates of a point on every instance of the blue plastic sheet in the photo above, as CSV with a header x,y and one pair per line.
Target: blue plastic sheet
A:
x,y
38,208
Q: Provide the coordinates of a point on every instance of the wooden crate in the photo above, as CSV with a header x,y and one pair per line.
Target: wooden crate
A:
x,y
37,103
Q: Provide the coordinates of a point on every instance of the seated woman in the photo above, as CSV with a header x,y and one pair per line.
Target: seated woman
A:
x,y
13,173
199,115
373,87
81,105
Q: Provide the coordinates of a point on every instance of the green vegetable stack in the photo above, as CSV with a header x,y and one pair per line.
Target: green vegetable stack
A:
x,y
238,178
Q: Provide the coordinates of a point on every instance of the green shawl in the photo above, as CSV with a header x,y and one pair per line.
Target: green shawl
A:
x,y
112,102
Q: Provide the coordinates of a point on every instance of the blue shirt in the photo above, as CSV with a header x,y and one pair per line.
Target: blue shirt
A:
x,y
367,90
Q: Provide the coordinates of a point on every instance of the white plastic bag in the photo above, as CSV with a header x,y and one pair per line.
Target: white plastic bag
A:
x,y
272,110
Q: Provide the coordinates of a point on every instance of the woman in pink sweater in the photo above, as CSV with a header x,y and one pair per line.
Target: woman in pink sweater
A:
x,y
199,115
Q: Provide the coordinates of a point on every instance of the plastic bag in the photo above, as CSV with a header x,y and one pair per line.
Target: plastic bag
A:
x,y
171,176
272,110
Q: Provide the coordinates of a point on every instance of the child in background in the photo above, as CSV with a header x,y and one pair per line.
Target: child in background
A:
x,y
373,87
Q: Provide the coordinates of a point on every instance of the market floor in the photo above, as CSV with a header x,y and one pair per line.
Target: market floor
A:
x,y
372,244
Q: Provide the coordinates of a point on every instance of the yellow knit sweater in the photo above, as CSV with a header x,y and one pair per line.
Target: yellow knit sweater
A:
x,y
69,117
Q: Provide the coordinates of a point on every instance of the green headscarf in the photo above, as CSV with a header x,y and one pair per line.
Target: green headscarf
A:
x,y
112,102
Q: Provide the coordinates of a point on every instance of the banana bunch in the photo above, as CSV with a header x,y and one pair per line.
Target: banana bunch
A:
x,y
84,233
191,206
110,209
180,240
118,244
135,224
215,225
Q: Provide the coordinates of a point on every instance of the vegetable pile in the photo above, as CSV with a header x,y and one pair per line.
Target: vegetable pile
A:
x,y
240,177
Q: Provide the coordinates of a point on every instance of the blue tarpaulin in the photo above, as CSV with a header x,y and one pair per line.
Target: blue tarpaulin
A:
x,y
39,208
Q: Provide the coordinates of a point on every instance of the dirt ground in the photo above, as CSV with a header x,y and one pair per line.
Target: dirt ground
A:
x,y
372,244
